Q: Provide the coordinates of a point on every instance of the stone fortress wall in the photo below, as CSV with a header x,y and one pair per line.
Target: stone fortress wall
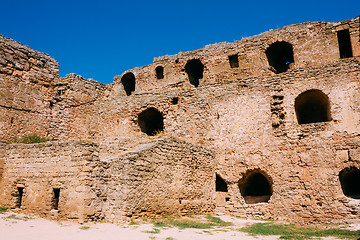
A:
x,y
276,116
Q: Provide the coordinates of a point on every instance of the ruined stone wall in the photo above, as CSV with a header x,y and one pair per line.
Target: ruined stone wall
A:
x,y
38,169
314,44
70,94
162,177
34,98
25,79
249,116
251,123
110,181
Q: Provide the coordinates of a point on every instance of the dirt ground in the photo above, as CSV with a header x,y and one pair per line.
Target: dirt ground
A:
x,y
17,226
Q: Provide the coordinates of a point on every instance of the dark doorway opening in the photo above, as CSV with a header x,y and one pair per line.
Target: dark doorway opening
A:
x,y
344,43
19,196
159,72
56,198
234,61
151,121
128,81
280,55
350,182
194,69
221,185
255,187
312,106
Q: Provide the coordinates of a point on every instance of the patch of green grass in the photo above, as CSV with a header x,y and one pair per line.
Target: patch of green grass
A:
x,y
84,227
132,222
191,223
3,209
217,221
208,232
291,231
170,238
13,216
154,231
28,139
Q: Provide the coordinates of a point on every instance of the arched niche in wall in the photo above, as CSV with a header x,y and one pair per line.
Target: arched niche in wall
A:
x,y
312,106
151,121
220,184
350,182
128,82
159,70
255,186
280,55
194,69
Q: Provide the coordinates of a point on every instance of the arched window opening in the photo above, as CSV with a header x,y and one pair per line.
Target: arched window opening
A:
x,y
344,43
255,187
350,182
221,185
194,69
280,55
159,72
151,121
312,106
128,81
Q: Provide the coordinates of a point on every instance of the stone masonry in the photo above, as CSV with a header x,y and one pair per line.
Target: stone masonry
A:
x,y
266,127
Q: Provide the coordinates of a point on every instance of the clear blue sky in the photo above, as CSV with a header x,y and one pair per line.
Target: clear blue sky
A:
x,y
101,39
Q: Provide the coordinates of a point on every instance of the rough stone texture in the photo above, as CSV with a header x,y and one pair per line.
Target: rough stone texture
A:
x,y
39,168
237,120
162,177
165,176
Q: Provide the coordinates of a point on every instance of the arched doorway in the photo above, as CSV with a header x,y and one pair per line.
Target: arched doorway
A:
x,y
255,186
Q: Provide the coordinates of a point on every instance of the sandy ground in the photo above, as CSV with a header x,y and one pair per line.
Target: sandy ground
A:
x,y
16,226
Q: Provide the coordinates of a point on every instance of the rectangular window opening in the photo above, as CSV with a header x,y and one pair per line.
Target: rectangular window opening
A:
x,y
344,43
56,197
20,196
234,61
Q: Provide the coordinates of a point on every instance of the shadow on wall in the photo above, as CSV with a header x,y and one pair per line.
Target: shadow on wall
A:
x,y
2,166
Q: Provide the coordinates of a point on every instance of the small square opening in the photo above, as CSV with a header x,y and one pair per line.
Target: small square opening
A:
x,y
344,43
234,61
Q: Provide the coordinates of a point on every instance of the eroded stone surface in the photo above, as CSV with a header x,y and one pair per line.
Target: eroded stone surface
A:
x,y
236,119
